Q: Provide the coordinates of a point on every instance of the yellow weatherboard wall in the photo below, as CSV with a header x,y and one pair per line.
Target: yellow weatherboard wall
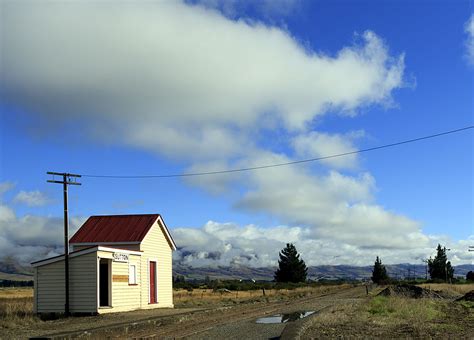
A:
x,y
155,247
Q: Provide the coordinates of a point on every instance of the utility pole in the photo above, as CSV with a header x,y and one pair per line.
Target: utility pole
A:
x,y
446,265
67,179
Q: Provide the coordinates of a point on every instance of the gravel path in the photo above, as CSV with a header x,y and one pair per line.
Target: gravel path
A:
x,y
239,321
229,322
249,329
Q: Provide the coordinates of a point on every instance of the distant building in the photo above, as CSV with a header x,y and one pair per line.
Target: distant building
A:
x,y
118,263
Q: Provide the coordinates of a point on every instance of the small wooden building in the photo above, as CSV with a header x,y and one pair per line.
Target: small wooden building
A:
x,y
118,263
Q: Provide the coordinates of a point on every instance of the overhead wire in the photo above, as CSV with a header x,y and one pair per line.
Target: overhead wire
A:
x,y
206,173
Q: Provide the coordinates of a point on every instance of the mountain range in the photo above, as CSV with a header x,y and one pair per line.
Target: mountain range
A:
x,y
400,271
10,271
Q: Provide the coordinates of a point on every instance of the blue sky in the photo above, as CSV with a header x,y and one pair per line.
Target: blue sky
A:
x,y
168,87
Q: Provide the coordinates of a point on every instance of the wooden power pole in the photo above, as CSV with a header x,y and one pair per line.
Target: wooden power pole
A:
x,y
67,179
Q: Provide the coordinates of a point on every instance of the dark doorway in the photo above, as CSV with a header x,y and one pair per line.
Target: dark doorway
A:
x,y
104,283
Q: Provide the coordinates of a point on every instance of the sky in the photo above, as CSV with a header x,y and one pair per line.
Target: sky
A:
x,y
170,87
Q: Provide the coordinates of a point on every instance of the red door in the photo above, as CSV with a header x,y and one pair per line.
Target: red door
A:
x,y
152,282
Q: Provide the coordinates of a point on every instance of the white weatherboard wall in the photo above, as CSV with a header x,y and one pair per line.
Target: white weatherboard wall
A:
x,y
155,247
50,290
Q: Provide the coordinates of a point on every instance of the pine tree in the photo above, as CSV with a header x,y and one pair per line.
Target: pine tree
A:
x,y
379,273
290,267
439,267
470,276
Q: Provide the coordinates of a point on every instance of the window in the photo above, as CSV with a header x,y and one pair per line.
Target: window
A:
x,y
132,274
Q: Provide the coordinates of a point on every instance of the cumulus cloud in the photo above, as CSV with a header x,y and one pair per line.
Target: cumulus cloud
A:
x,y
333,205
228,243
5,186
272,10
320,144
31,198
469,29
217,183
186,82
29,237
180,80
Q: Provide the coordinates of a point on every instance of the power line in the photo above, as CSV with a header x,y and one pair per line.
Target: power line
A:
x,y
285,163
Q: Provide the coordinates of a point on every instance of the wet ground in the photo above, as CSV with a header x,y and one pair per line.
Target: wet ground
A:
x,y
252,329
286,317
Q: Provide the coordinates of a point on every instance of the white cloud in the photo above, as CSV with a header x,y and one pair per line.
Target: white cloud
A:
x,y
333,205
215,184
31,198
186,82
5,186
469,29
29,238
319,144
228,243
351,236
180,80
6,214
270,9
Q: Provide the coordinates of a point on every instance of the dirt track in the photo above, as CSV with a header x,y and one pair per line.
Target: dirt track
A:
x,y
192,316
233,321
238,322
343,312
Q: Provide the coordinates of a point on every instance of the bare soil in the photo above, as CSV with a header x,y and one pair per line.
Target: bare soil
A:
x,y
411,291
469,296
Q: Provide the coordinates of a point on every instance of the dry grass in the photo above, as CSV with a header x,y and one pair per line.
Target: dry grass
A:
x,y
16,311
9,293
453,289
183,297
16,304
16,307
397,317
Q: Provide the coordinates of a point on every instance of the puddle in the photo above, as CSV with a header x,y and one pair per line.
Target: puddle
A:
x,y
282,318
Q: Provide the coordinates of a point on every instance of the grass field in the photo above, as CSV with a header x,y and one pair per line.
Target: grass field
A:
x,y
16,307
202,297
16,304
455,289
399,317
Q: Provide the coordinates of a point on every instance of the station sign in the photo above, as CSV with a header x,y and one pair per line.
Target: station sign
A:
x,y
120,257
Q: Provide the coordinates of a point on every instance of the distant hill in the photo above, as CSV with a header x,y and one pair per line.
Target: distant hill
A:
x,y
10,268
400,271
10,271
15,277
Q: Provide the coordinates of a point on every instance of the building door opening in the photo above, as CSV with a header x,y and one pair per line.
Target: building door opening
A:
x,y
153,294
104,282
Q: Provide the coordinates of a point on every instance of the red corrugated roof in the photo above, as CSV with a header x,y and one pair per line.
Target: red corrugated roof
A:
x,y
115,228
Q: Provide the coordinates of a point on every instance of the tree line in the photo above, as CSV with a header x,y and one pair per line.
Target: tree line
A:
x,y
291,268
